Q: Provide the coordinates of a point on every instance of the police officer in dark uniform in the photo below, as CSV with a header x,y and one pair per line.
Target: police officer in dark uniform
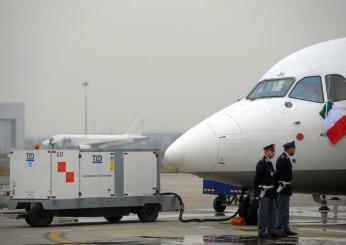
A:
x,y
264,185
284,179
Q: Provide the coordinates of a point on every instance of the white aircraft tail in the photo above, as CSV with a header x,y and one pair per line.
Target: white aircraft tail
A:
x,y
137,127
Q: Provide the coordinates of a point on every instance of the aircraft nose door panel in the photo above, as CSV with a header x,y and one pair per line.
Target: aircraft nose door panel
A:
x,y
230,140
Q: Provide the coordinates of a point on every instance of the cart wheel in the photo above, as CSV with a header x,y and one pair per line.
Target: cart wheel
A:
x,y
219,204
38,217
148,213
113,219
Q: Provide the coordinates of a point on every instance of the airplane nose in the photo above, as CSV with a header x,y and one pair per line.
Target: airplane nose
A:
x,y
196,150
174,154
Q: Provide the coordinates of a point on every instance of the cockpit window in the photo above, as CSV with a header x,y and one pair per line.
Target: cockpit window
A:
x,y
271,88
336,87
309,88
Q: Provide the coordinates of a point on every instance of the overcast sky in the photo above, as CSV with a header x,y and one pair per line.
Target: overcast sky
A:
x,y
173,62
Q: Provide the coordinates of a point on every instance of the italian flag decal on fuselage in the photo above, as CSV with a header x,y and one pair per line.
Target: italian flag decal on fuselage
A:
x,y
334,122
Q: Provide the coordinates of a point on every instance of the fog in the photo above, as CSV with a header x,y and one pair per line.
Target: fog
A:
x,y
172,62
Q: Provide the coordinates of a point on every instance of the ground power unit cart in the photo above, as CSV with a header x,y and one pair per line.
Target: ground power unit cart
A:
x,y
87,183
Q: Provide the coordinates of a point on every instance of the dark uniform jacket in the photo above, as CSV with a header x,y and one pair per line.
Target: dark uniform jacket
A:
x,y
265,175
284,172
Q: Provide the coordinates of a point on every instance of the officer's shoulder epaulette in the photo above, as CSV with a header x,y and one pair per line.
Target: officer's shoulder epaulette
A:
x,y
263,159
284,156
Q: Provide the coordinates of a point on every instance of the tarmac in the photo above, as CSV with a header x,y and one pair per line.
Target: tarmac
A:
x,y
313,226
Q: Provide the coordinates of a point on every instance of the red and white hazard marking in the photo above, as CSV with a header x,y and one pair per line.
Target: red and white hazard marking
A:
x,y
61,168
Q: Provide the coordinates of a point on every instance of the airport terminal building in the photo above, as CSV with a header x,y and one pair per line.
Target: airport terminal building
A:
x,y
11,126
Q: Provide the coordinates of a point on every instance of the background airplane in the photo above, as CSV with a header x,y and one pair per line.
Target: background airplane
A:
x,y
88,141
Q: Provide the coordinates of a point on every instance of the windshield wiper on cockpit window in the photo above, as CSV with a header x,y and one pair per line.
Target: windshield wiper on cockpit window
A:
x,y
263,97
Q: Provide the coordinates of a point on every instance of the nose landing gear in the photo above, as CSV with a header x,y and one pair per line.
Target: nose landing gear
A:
x,y
247,206
248,210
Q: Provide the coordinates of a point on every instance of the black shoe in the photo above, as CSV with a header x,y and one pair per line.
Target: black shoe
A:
x,y
282,234
273,236
291,233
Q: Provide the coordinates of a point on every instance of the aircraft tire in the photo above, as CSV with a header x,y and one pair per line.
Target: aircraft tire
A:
x,y
251,213
243,207
219,204
248,211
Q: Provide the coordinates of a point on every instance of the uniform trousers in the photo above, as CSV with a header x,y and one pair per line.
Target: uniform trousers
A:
x,y
283,206
267,216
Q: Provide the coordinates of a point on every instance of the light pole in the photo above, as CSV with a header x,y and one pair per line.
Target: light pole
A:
x,y
85,85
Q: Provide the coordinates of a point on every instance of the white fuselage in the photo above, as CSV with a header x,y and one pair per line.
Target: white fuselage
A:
x,y
91,141
227,146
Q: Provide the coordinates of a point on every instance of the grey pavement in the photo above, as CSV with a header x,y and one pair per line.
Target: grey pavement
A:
x,y
313,226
